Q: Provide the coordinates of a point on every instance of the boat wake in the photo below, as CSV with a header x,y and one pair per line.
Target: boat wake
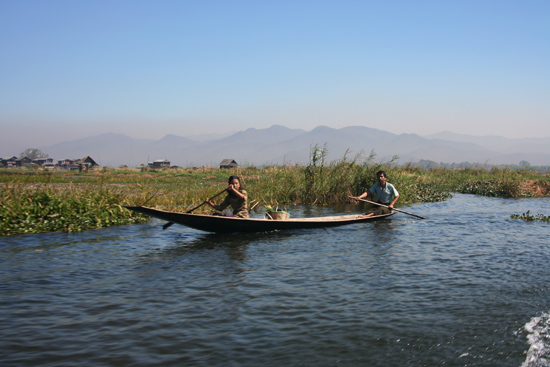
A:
x,y
538,354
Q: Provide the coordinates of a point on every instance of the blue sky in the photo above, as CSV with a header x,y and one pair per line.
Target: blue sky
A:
x,y
71,69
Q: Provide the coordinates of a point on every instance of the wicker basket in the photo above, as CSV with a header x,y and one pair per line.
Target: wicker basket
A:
x,y
277,215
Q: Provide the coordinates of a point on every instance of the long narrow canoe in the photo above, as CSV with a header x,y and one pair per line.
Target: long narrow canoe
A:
x,y
220,224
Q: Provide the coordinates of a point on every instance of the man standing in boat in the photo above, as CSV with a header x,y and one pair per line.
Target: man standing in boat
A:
x,y
385,192
236,197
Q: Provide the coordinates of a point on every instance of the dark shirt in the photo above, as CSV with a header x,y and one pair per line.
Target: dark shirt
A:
x,y
239,206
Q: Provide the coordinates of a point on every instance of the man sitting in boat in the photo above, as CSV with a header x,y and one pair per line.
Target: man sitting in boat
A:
x,y
237,197
385,192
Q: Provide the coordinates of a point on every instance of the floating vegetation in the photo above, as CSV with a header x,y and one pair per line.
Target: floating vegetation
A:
x,y
491,188
425,192
530,218
67,209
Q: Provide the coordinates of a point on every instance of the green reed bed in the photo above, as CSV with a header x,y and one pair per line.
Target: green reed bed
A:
x,y
496,182
35,201
319,183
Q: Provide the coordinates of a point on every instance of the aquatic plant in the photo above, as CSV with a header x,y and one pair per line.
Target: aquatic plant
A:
x,y
528,217
62,208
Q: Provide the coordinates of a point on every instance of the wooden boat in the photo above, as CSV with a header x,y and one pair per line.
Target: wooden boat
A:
x,y
221,224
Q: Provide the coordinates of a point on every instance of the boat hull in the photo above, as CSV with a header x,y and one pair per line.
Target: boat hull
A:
x,y
221,224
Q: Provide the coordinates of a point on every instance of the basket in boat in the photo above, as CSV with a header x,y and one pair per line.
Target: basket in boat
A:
x,y
278,215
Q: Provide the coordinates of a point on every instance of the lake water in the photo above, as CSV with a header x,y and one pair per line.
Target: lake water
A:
x,y
466,287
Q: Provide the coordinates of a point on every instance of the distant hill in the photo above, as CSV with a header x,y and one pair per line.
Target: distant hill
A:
x,y
507,151
278,145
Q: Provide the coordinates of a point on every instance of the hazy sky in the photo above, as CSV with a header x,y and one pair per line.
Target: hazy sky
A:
x,y
71,69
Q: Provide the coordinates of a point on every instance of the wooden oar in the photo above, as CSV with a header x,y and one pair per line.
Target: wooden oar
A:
x,y
402,211
198,206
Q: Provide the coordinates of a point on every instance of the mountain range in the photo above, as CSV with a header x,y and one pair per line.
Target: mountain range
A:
x,y
278,145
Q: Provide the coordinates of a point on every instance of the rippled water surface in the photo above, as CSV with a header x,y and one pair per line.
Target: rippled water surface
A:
x,y
466,287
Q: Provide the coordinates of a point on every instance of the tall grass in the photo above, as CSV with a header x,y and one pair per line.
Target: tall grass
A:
x,y
318,183
35,201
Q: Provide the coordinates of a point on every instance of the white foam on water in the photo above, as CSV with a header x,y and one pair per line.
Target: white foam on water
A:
x,y
538,338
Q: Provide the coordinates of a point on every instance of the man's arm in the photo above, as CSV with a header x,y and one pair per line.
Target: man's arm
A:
x,y
394,201
364,195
